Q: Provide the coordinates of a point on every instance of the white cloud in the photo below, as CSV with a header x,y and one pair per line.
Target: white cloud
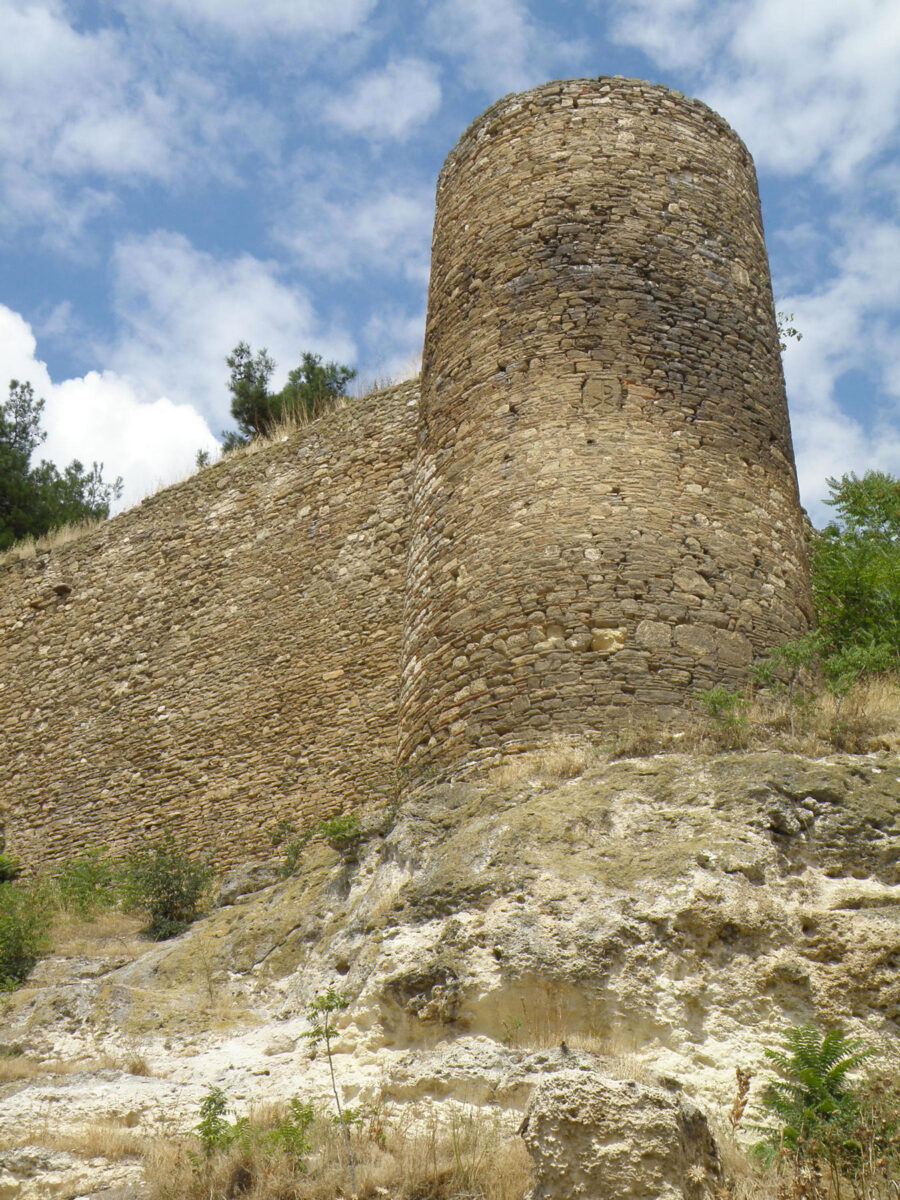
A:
x,y
388,103
848,323
812,84
500,48
324,19
394,342
82,110
181,311
101,417
389,232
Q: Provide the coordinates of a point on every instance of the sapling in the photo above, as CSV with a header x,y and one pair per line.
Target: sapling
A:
x,y
321,1016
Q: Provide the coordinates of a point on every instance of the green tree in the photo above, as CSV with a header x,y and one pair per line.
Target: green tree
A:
x,y
312,387
36,499
251,401
856,570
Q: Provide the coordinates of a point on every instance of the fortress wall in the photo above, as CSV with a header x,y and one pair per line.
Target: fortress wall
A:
x,y
220,656
606,514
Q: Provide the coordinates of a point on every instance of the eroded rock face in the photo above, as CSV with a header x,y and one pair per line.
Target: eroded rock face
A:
x,y
669,914
613,1139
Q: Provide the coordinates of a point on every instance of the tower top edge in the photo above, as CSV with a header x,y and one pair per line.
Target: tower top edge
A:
x,y
638,94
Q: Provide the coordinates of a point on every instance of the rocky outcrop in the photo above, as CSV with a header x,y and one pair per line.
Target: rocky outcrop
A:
x,y
605,1139
659,918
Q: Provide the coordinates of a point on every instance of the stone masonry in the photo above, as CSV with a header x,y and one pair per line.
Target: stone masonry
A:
x,y
221,656
605,508
593,510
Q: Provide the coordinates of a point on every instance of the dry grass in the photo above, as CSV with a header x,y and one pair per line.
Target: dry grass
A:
x,y
110,932
743,1179
869,720
413,1156
14,1067
30,547
108,1137
561,759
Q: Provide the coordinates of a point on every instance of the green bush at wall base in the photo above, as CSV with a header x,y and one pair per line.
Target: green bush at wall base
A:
x,y
24,922
341,833
166,883
88,883
727,714
10,868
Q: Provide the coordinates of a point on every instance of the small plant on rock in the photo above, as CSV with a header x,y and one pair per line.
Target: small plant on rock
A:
x,y
727,714
321,1016
342,833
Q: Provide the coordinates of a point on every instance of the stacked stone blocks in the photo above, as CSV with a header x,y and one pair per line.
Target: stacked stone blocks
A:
x,y
591,512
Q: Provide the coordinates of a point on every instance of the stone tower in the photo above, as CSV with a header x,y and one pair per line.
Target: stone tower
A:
x,y
605,511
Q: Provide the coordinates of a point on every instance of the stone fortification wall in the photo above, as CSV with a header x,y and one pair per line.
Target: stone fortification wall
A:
x,y
596,513
605,504
223,655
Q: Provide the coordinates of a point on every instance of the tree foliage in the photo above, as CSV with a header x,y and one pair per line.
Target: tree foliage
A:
x,y
856,572
815,1114
310,390
36,499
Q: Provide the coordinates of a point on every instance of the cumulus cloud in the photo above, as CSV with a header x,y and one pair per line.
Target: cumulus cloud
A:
x,y
499,46
389,103
394,340
809,85
180,311
389,231
848,325
323,19
84,111
102,417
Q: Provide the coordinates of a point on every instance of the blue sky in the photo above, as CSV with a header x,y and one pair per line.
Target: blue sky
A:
x,y
178,175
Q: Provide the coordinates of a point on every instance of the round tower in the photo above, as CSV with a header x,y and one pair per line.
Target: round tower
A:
x,y
605,510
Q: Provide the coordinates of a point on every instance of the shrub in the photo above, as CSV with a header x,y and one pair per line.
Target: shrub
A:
x,y
10,868
815,1117
727,714
24,921
168,884
291,1133
341,833
214,1131
87,883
